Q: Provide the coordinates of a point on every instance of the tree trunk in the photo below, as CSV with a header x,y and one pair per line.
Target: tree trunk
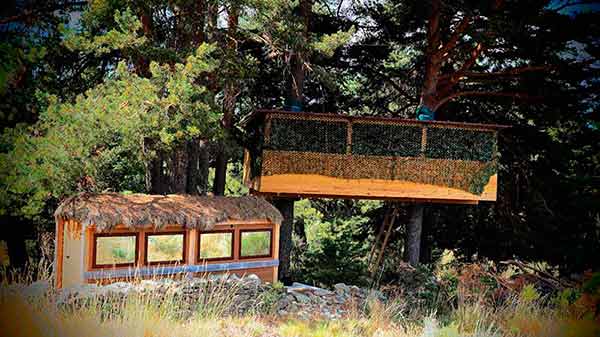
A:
x,y
414,228
179,169
432,62
286,207
425,251
428,100
197,169
230,93
15,240
220,171
142,64
297,61
212,19
198,35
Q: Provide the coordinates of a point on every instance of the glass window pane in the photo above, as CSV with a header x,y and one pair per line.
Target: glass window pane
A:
x,y
216,245
165,248
112,250
256,243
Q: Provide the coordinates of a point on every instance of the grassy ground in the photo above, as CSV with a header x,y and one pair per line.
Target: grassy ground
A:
x,y
570,313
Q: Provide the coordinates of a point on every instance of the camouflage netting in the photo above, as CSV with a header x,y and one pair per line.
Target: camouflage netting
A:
x,y
106,210
454,155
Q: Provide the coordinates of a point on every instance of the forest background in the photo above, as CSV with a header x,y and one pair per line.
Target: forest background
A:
x,y
147,96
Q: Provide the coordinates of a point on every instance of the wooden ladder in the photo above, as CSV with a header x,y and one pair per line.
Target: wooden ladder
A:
x,y
384,231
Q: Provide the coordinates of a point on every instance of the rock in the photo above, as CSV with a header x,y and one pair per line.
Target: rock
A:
x,y
233,278
338,299
301,287
300,297
376,294
81,292
251,279
36,289
341,288
149,285
119,287
216,277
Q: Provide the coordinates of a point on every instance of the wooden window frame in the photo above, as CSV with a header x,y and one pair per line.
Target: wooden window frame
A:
x,y
171,262
231,257
116,265
270,230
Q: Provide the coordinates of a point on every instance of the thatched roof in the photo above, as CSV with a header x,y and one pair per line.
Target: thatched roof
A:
x,y
106,210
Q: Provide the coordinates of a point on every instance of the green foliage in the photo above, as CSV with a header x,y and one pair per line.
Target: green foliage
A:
x,y
592,286
335,250
126,35
13,58
529,294
268,300
329,43
80,100
96,142
402,57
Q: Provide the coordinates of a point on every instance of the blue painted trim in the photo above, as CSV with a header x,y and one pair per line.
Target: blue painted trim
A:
x,y
169,270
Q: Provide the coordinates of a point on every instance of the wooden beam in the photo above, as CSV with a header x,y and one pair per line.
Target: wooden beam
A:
x,y
340,117
318,186
58,262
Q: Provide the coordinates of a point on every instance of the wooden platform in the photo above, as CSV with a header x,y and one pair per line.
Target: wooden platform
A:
x,y
337,156
329,187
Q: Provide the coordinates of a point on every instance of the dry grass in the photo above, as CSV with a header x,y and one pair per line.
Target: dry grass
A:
x,y
523,314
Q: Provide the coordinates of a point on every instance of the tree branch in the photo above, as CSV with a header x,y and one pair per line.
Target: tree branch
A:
x,y
471,61
456,35
449,80
516,95
398,88
41,10
507,73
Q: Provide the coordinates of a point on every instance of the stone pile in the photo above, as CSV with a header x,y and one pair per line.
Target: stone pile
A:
x,y
240,294
235,296
307,301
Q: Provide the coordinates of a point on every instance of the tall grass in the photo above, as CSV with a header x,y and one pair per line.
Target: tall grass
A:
x,y
170,313
41,270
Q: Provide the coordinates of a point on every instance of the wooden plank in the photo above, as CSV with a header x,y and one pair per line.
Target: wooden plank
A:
x,y
276,233
423,141
192,245
307,185
349,138
73,259
450,173
58,262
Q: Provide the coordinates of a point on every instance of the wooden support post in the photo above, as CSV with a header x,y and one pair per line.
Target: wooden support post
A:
x,y
267,130
423,141
58,258
413,234
286,207
349,138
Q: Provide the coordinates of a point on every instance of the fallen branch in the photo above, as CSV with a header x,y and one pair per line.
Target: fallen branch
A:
x,y
542,275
